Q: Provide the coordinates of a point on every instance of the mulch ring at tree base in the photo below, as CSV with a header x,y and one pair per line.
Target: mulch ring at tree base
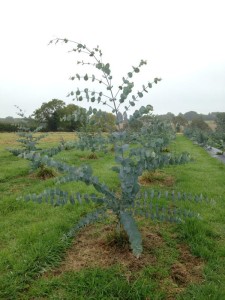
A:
x,y
158,177
92,249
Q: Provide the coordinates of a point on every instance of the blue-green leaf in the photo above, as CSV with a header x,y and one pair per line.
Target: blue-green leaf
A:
x,y
140,94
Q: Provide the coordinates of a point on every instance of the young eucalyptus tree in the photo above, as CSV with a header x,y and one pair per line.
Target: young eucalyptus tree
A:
x,y
28,138
29,141
135,151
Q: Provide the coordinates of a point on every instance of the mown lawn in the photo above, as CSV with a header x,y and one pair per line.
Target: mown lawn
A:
x,y
185,261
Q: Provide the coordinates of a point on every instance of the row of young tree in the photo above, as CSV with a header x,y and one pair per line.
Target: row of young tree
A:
x,y
206,130
200,132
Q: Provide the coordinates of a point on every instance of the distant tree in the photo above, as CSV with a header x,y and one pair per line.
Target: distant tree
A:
x,y
220,122
179,122
169,116
9,119
199,123
212,116
7,127
49,114
191,115
146,119
68,121
208,117
103,121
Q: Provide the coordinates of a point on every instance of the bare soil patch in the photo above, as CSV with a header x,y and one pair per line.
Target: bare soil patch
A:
x,y
92,249
160,178
188,269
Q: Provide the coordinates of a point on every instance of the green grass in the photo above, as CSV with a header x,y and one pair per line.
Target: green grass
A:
x,y
95,284
31,234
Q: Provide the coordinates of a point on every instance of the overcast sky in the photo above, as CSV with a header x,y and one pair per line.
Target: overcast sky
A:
x,y
182,40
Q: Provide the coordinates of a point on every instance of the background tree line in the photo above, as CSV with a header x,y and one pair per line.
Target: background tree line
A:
x,y
55,116
194,120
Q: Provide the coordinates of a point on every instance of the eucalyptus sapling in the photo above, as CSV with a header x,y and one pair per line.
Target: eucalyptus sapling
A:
x,y
29,142
135,151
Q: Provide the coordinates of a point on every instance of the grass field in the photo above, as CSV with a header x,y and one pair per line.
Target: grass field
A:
x,y
184,261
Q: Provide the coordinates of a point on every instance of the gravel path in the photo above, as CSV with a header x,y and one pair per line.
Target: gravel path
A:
x,y
212,151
